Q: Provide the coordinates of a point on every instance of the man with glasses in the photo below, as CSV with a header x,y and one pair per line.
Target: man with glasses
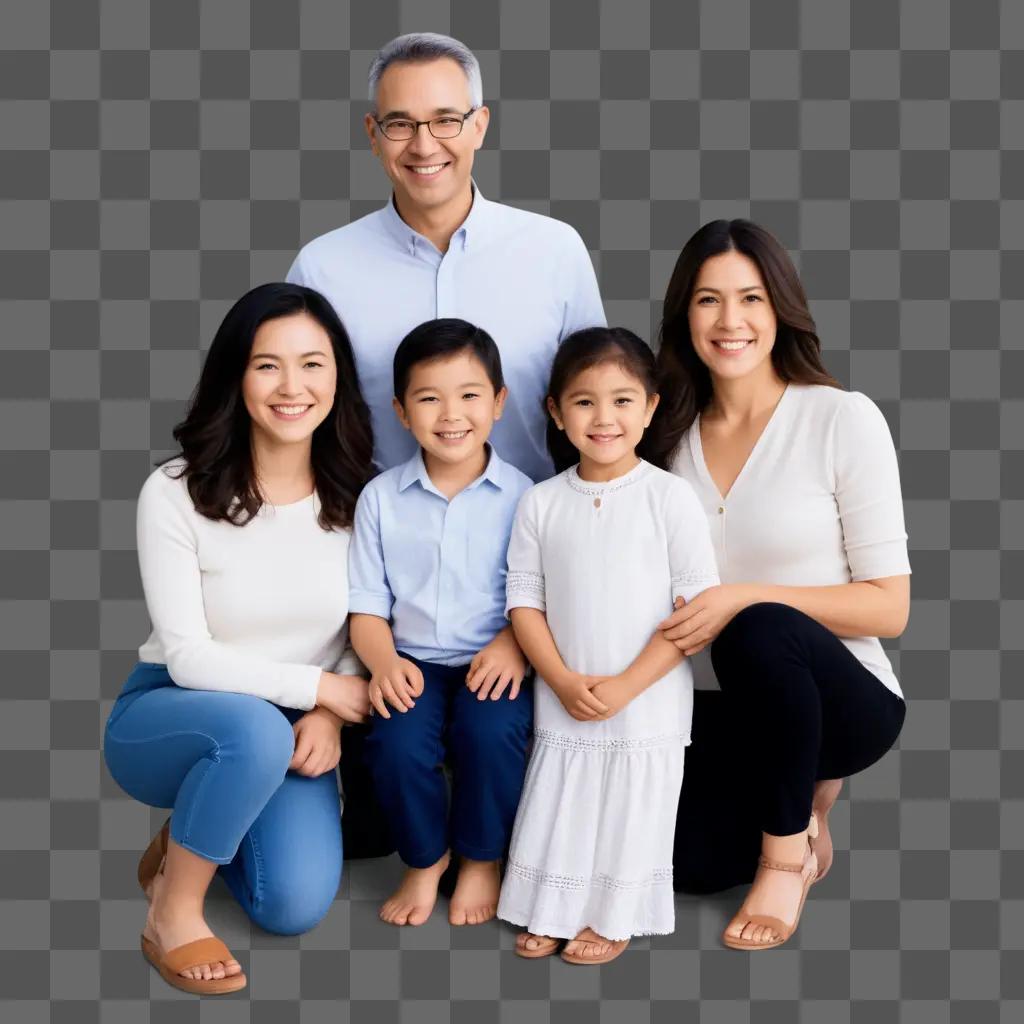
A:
x,y
440,249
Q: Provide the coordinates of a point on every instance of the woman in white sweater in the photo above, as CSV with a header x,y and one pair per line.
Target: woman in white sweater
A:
x,y
232,716
800,484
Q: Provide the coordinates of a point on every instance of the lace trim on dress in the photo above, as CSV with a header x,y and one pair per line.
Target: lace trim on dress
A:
x,y
691,577
572,478
620,743
531,583
580,883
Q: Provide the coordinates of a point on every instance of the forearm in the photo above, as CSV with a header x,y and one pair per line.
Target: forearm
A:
x,y
657,658
532,633
324,712
372,640
868,608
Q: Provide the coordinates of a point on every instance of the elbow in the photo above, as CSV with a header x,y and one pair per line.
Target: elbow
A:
x,y
896,621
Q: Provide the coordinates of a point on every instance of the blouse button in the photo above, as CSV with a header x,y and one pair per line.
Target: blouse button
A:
x,y
597,503
721,510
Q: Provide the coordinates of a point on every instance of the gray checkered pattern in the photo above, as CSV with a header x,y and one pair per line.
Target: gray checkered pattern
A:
x,y
157,159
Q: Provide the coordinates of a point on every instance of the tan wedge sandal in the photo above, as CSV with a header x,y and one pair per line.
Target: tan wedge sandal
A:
x,y
781,928
153,858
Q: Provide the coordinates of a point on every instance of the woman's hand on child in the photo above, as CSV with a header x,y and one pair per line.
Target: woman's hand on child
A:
x,y
345,696
575,691
397,684
695,624
317,743
499,666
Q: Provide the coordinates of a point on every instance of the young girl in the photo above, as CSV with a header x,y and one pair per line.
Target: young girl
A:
x,y
598,555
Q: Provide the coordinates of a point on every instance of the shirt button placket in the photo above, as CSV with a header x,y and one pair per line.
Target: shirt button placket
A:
x,y
445,297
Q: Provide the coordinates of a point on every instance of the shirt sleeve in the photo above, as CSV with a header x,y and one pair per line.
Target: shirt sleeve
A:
x,y
867,490
524,584
583,306
369,591
691,555
297,272
172,584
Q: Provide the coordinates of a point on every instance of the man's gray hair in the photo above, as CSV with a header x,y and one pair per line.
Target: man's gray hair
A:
x,y
426,46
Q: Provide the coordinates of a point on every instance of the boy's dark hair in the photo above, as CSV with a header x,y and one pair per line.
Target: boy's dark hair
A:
x,y
442,339
590,347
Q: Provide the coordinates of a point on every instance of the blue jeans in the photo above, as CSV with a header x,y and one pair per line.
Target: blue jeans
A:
x,y
485,742
220,760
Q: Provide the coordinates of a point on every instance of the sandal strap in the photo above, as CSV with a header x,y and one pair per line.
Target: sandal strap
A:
x,y
778,865
192,954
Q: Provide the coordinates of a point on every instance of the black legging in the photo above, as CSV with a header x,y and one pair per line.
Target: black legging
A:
x,y
795,707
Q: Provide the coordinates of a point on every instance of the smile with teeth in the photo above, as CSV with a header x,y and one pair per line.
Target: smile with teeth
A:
x,y
452,435
290,412
732,346
428,170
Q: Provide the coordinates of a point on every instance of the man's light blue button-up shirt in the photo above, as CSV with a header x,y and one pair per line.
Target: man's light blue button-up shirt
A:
x,y
436,568
524,278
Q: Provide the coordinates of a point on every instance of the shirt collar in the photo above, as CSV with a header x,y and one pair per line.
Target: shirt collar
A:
x,y
410,240
415,471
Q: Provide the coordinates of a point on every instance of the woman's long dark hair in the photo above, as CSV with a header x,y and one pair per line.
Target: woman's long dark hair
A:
x,y
796,356
585,349
215,436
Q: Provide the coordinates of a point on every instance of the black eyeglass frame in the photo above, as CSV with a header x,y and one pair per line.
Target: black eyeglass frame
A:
x,y
417,124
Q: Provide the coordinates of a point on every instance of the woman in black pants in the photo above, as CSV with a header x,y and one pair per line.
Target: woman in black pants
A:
x,y
801,487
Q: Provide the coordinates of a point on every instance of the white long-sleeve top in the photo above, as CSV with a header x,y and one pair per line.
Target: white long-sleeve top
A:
x,y
817,503
258,609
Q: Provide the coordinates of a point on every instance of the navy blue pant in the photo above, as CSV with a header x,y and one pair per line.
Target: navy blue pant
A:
x,y
484,742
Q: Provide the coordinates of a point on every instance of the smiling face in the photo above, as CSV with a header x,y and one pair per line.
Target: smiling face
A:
x,y
427,173
289,383
450,406
732,322
604,411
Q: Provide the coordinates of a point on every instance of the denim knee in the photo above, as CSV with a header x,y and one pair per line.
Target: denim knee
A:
x,y
262,736
295,907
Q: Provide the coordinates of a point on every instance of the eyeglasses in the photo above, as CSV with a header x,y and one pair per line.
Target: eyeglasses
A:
x,y
401,129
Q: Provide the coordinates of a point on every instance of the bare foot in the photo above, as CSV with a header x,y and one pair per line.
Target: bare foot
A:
x,y
588,945
475,899
170,926
775,893
412,902
826,793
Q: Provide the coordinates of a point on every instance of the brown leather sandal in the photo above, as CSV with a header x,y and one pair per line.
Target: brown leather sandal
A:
x,y
785,931
547,947
152,859
618,947
193,954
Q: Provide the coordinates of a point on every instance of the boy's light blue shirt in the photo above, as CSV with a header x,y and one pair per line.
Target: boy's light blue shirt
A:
x,y
435,568
524,278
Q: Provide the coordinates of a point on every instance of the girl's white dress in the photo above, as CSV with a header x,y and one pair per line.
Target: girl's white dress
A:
x,y
592,844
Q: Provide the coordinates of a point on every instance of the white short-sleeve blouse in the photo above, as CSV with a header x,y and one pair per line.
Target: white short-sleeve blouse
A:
x,y
817,503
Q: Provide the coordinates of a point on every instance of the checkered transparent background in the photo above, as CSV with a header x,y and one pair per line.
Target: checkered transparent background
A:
x,y
156,159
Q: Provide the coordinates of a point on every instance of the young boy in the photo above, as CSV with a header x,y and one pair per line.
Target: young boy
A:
x,y
427,601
